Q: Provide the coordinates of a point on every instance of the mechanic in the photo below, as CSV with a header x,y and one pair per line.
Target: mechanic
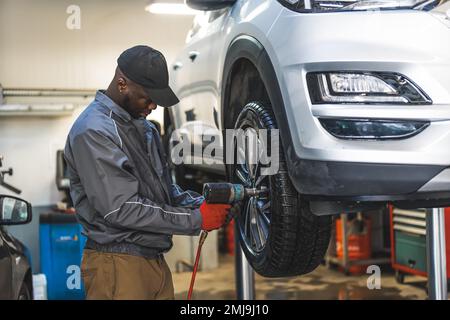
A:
x,y
121,188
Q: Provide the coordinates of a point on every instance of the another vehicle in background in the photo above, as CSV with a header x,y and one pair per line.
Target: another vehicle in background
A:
x,y
16,282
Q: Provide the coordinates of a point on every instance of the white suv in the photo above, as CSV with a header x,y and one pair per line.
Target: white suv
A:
x,y
360,92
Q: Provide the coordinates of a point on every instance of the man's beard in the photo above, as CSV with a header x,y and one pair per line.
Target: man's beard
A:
x,y
127,106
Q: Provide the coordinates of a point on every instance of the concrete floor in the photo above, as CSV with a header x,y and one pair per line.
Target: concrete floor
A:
x,y
322,284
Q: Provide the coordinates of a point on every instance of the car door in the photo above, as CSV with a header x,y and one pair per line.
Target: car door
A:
x,y
181,81
206,98
199,115
181,84
5,269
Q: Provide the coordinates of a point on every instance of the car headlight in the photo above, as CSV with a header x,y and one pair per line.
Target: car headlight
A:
x,y
363,88
357,5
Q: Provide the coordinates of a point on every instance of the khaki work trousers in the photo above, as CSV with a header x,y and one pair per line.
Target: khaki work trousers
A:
x,y
113,276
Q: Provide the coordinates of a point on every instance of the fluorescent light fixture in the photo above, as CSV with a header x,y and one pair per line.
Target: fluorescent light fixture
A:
x,y
170,8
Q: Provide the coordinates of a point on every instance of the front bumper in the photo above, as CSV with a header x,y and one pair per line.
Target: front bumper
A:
x,y
337,187
413,43
369,182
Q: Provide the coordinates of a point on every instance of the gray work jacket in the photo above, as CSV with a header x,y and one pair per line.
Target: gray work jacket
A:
x,y
120,185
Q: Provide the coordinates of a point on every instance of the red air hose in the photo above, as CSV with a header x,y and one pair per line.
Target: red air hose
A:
x,y
203,236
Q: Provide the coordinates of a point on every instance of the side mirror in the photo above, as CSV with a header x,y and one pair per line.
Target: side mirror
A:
x,y
14,211
209,5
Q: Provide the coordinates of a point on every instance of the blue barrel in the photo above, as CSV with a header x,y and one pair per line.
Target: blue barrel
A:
x,y
61,247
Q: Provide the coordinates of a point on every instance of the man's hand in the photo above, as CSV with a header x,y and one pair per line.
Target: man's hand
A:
x,y
213,215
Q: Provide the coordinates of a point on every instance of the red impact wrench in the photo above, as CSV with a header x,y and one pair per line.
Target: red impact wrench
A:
x,y
220,193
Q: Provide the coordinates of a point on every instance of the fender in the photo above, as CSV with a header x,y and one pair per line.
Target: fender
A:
x,y
247,47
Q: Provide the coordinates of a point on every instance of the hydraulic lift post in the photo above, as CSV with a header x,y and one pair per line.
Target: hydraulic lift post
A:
x,y
436,255
245,276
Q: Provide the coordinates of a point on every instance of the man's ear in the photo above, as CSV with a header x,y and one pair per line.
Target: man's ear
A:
x,y
122,85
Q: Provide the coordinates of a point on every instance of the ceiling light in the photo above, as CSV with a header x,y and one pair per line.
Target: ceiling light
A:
x,y
170,8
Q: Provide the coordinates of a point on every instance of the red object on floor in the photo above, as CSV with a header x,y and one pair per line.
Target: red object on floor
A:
x,y
230,237
359,244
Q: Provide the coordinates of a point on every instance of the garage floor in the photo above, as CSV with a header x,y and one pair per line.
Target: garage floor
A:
x,y
322,284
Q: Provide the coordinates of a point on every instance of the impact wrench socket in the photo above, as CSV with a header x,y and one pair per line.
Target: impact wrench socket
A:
x,y
228,193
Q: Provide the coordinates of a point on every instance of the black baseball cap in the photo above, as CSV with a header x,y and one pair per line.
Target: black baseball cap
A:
x,y
148,68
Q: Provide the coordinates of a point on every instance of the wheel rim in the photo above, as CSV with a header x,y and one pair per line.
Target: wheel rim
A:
x,y
255,217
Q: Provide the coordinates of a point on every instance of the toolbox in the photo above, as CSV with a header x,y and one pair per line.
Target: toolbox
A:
x,y
408,234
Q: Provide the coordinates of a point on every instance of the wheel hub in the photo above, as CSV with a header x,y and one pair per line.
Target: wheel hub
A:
x,y
254,221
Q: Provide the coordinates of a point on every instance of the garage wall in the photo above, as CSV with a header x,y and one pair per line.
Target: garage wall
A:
x,y
37,50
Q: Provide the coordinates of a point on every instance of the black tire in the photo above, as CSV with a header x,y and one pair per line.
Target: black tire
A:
x,y
24,293
297,240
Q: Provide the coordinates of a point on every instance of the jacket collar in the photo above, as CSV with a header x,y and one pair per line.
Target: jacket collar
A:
x,y
111,105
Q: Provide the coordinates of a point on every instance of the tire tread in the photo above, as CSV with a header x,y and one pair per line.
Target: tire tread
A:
x,y
298,239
